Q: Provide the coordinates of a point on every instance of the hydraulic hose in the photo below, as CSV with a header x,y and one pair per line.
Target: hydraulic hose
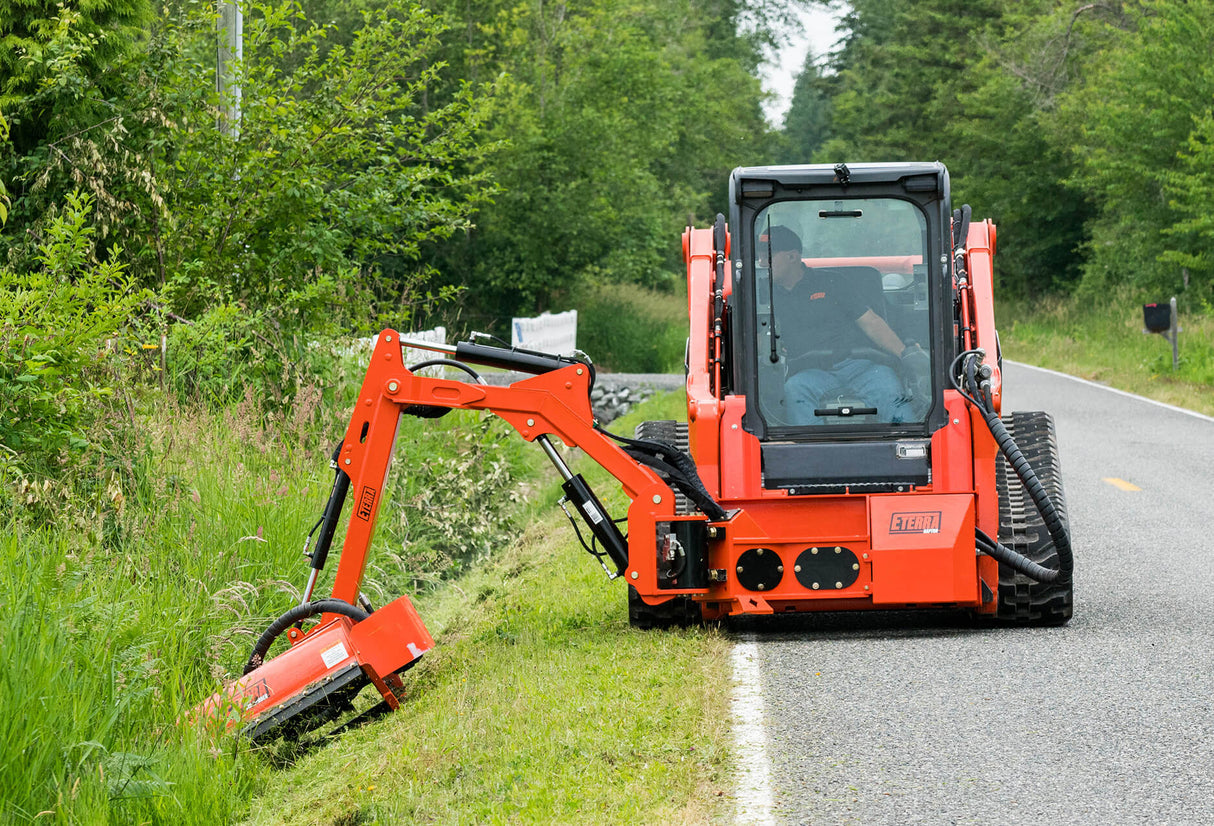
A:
x,y
678,467
299,612
979,395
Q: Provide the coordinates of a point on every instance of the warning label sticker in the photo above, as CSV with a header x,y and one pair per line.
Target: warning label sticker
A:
x,y
334,655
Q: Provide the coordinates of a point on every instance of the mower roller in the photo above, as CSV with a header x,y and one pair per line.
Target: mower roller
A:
x,y
844,447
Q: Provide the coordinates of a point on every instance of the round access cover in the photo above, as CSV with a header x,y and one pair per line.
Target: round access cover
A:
x,y
759,569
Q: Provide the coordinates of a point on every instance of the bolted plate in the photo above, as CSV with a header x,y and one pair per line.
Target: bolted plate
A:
x,y
826,568
759,569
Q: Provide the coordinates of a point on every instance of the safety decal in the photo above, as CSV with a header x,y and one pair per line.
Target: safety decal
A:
x,y
334,655
366,501
915,522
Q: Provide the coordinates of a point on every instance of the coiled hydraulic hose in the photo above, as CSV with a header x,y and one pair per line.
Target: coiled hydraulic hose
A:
x,y
977,388
299,612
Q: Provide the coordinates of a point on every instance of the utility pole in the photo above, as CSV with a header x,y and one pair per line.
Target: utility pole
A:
x,y
231,52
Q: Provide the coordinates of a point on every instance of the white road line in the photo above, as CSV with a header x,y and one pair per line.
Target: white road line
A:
x,y
754,797
1165,405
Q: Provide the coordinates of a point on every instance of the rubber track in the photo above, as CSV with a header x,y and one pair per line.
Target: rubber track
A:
x,y
1021,528
680,611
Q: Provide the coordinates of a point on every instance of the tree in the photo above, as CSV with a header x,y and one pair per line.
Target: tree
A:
x,y
807,123
339,165
616,123
973,85
61,80
1139,128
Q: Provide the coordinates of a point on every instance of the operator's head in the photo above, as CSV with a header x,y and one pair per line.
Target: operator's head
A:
x,y
784,248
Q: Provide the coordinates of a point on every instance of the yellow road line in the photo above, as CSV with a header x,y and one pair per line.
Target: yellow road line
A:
x,y
1121,484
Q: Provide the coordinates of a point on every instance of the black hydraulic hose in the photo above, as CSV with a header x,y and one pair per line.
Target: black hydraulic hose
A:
x,y
1045,506
684,475
1026,566
413,368
676,478
979,395
296,614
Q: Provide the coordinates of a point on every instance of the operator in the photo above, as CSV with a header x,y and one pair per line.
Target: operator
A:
x,y
822,313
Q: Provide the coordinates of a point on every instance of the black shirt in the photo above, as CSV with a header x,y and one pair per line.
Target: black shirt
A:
x,y
818,317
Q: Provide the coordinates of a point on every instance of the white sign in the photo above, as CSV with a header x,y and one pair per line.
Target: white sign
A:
x,y
549,333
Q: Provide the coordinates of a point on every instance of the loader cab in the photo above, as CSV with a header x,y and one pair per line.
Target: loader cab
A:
x,y
841,303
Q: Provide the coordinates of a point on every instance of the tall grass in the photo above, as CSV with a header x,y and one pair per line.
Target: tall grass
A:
x,y
1103,340
630,329
109,637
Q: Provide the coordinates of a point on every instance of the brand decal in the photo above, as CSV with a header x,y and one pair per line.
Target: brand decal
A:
x,y
915,522
256,693
366,501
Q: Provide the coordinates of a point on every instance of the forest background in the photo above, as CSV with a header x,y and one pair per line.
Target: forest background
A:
x,y
461,163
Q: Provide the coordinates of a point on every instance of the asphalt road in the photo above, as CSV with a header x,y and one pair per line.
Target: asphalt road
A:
x,y
909,718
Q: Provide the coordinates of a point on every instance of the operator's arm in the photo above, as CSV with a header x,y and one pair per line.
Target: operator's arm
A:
x,y
877,329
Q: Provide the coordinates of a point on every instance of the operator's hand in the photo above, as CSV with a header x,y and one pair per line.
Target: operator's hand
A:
x,y
917,372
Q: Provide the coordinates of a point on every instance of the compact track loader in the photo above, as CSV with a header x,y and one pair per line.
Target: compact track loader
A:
x,y
844,448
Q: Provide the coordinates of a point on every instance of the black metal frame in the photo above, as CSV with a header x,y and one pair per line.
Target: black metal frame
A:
x,y
753,189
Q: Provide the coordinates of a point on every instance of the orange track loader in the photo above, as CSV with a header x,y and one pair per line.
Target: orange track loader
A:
x,y
844,447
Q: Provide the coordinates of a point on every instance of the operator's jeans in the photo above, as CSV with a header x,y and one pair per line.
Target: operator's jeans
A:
x,y
874,384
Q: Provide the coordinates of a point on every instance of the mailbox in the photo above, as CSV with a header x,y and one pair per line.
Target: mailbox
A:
x,y
1157,318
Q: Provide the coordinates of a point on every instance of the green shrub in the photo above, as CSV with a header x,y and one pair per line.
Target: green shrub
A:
x,y
630,329
62,331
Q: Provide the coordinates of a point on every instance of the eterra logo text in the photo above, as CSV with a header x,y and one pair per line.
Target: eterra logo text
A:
x,y
915,522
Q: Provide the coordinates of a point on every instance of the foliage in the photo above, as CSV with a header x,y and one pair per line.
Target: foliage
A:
x,y
339,165
5,201
341,168
62,325
64,73
627,328
935,80
1139,133
807,123
620,119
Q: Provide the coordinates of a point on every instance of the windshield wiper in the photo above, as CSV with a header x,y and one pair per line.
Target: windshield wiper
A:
x,y
846,411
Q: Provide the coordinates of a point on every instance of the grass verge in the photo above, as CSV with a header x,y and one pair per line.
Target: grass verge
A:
x,y
538,705
1104,342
